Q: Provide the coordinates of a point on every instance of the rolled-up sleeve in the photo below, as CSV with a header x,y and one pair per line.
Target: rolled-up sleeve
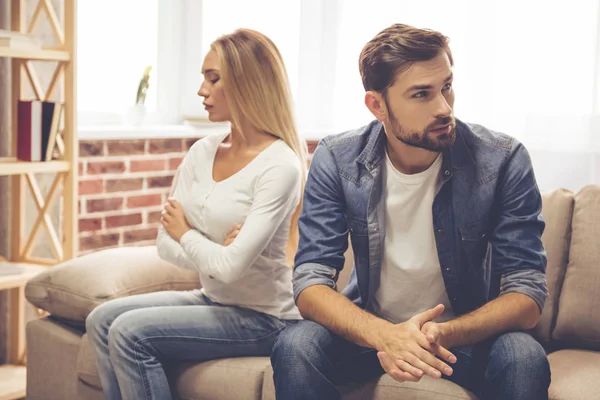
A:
x,y
518,253
322,225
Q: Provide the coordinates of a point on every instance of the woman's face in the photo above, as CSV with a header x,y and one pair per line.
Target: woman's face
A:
x,y
212,90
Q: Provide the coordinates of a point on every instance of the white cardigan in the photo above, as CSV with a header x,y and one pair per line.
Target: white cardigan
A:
x,y
251,272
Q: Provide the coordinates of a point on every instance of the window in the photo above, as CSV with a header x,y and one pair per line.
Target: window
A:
x,y
113,49
116,41
525,68
218,18
531,69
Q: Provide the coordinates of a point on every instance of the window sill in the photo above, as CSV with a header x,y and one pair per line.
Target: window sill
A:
x,y
129,132
197,130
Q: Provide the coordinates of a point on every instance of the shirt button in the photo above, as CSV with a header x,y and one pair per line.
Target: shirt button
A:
x,y
447,172
211,277
439,230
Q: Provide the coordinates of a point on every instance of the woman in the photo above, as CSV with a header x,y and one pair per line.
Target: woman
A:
x,y
233,218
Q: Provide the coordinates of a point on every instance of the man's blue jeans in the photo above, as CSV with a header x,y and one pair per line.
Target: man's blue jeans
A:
x,y
309,362
133,337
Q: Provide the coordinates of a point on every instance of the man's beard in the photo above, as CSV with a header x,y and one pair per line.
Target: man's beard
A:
x,y
426,140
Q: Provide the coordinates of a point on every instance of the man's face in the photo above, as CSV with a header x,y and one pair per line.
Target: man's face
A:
x,y
420,105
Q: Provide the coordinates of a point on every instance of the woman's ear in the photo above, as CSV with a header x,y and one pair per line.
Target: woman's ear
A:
x,y
375,104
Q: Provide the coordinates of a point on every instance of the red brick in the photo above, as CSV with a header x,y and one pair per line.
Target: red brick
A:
x,y
162,146
110,204
123,220
90,224
147,165
190,142
91,148
90,186
153,217
160,181
124,185
145,200
139,235
312,145
125,147
105,167
98,241
174,162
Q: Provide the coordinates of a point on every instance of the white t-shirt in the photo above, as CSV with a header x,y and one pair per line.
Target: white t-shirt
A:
x,y
411,278
251,272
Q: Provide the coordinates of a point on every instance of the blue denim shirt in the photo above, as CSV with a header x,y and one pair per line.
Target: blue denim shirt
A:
x,y
486,217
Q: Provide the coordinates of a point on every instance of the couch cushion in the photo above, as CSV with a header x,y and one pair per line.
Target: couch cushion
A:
x,y
577,322
51,360
386,388
575,375
557,211
229,378
87,370
72,289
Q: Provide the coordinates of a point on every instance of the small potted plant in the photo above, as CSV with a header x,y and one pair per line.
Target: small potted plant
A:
x,y
137,112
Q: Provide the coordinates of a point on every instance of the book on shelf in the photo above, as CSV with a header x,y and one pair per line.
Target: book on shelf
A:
x,y
38,127
49,138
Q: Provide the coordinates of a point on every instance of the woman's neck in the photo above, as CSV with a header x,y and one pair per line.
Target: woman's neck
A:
x,y
248,137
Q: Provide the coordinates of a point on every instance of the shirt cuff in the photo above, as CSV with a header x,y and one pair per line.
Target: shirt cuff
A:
x,y
528,282
311,274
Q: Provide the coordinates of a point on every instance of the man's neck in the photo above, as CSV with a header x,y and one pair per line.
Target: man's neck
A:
x,y
409,159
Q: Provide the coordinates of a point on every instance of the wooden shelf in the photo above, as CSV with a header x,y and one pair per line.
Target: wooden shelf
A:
x,y
11,166
45,55
17,280
13,379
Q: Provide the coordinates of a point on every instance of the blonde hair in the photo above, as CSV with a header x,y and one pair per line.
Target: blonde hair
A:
x,y
256,86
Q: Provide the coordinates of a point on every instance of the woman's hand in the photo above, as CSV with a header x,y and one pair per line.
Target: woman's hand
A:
x,y
173,219
232,235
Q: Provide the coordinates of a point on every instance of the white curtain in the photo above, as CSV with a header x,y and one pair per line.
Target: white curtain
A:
x,y
526,68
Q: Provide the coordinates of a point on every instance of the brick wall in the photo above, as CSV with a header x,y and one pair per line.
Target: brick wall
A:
x,y
122,186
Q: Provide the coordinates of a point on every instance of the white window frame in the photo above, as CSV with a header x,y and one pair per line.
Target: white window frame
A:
x,y
168,83
180,57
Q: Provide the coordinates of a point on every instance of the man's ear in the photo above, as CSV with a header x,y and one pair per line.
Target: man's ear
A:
x,y
376,104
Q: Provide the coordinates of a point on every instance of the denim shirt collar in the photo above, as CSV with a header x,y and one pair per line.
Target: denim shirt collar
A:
x,y
373,152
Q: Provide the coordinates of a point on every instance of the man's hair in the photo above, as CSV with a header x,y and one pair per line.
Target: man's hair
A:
x,y
394,49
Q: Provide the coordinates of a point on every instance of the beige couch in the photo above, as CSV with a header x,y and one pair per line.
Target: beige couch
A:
x,y
61,365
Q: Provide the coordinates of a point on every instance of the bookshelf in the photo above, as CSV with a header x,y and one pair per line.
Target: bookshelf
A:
x,y
24,183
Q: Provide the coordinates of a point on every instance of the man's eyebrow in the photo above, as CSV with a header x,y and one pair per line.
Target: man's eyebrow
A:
x,y
425,87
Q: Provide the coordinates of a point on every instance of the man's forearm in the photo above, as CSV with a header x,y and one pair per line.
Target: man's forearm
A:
x,y
334,311
509,312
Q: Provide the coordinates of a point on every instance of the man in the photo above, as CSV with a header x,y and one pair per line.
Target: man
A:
x,y
444,220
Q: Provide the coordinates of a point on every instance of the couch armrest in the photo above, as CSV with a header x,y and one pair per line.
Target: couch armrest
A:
x,y
71,290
